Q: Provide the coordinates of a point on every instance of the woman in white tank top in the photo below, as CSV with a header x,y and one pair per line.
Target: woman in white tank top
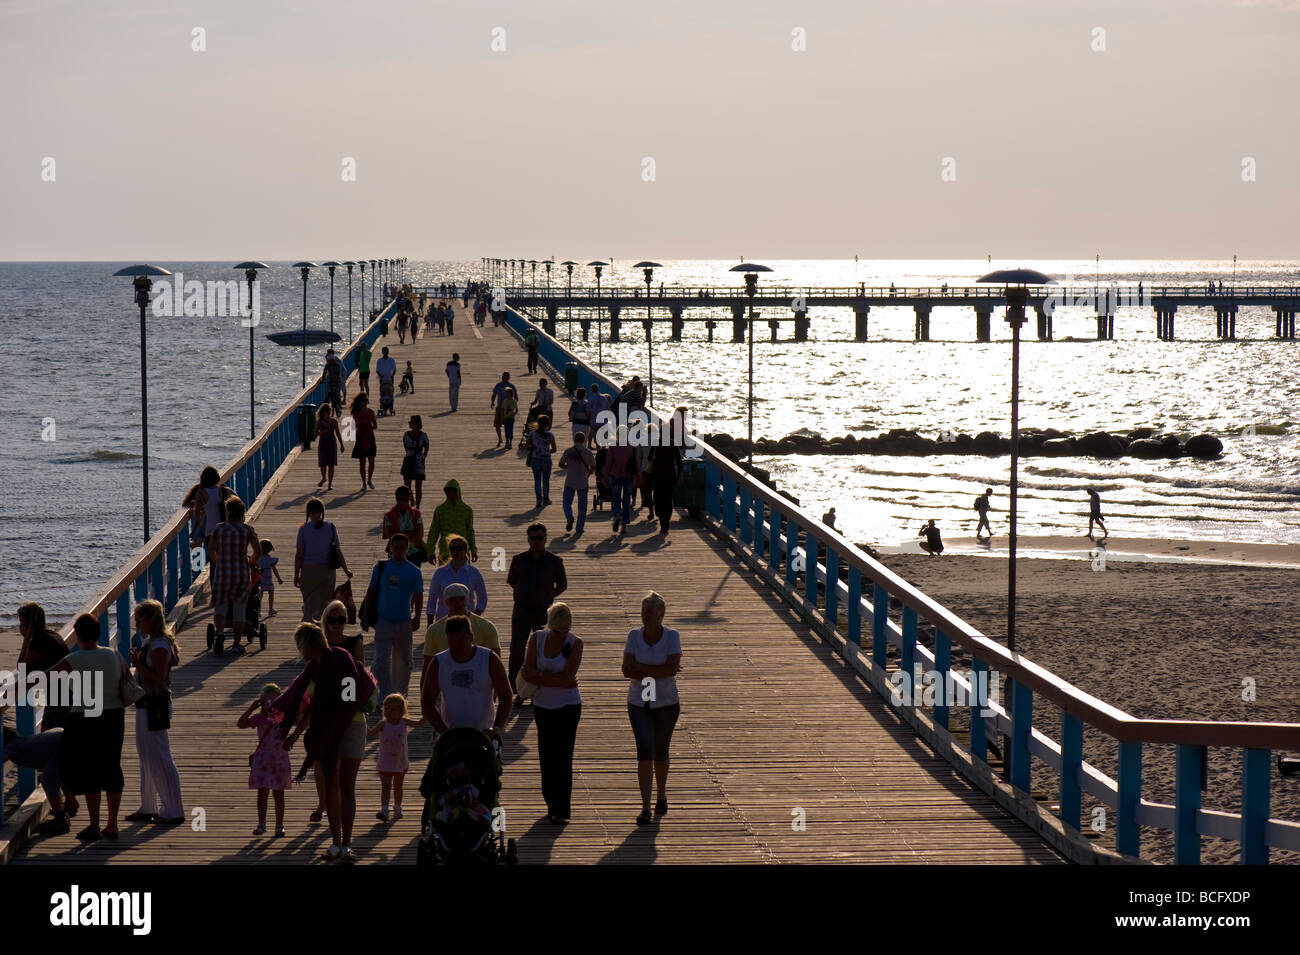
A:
x,y
551,662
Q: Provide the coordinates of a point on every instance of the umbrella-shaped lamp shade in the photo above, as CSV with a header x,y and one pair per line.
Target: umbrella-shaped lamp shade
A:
x,y
749,267
331,262
598,262
142,270
568,262
245,266
348,263
647,265
305,265
1016,277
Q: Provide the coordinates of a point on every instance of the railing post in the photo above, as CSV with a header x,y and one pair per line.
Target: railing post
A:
x,y
173,575
1256,769
810,570
791,547
746,525
1021,723
774,540
156,578
1127,832
879,626
124,624
25,723
141,588
1071,763
943,678
1188,764
712,477
832,589
979,746
186,567
758,527
729,512
854,634
908,659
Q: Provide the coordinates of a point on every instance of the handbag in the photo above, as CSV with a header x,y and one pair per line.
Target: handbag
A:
x,y
157,711
370,603
523,689
336,552
129,687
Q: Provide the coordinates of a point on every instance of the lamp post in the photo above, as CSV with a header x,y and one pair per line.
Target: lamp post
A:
x,y
331,265
364,314
349,265
142,284
598,264
250,273
648,270
548,263
751,270
533,263
568,265
305,269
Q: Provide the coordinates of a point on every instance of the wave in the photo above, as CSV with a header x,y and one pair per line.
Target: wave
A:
x,y
97,455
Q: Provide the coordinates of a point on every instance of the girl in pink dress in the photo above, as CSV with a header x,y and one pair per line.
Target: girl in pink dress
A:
x,y
269,768
393,758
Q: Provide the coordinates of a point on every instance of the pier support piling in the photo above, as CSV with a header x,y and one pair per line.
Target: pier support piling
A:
x,y
860,313
801,325
984,323
922,333
678,323
585,325
548,323
710,325
1225,321
615,325
737,323
1044,313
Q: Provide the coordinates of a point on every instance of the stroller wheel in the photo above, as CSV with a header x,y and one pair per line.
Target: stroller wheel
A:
x,y
261,636
212,632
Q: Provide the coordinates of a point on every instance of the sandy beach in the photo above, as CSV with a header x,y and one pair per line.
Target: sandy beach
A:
x,y
1124,549
1157,639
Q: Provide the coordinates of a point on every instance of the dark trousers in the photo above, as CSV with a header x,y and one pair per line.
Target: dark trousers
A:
x,y
663,502
532,360
557,731
523,621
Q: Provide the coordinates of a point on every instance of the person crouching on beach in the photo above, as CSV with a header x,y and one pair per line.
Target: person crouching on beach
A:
x,y
933,543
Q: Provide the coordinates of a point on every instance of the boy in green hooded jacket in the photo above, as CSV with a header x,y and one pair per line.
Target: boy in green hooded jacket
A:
x,y
452,516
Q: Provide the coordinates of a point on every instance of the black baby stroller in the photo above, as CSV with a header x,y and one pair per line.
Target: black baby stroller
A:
x,y
253,627
386,405
462,822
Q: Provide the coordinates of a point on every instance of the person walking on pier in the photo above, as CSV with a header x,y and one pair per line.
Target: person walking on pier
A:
x,y
652,658
541,446
401,326
401,518
622,469
577,462
363,368
329,441
532,342
160,783
207,503
453,381
933,543
316,557
537,579
665,473
580,412
364,446
1094,513
982,509
269,769
543,400
551,662
450,315
399,587
415,444
455,599
597,408
451,518
233,550
497,402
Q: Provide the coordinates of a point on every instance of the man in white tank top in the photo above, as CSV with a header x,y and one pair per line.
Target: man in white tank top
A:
x,y
466,685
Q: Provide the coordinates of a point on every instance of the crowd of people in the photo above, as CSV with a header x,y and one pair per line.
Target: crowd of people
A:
x,y
337,701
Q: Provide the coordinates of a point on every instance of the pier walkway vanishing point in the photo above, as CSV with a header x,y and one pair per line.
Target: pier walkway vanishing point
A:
x,y
772,723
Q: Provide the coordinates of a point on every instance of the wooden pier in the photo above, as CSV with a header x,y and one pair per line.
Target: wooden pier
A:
x,y
782,754
615,306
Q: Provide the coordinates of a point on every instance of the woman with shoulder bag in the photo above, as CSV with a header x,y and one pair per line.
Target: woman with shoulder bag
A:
x,y
160,783
551,664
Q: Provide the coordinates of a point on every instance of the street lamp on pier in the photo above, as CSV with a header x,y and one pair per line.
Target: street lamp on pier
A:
x,y
250,273
331,265
751,270
648,270
305,269
349,265
597,264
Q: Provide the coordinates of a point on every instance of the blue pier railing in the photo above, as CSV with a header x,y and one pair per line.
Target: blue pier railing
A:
x,y
782,543
166,568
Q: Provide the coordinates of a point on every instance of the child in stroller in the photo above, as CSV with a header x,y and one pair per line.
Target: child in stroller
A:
x,y
461,785
386,405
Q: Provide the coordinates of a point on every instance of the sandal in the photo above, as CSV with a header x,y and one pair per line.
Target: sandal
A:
x,y
89,834
331,854
644,819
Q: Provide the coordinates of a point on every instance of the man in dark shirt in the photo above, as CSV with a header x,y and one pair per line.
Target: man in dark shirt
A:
x,y
933,543
537,578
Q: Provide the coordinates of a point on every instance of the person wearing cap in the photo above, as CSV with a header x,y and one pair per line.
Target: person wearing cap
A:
x,y
452,516
484,631
457,571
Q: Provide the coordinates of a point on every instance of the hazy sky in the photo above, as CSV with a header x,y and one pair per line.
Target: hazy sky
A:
x,y
163,152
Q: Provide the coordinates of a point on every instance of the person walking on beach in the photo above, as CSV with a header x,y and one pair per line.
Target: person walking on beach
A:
x,y
1094,513
453,380
363,368
364,446
652,658
551,664
233,550
160,783
933,543
577,462
329,441
982,509
532,342
415,444
537,579
497,402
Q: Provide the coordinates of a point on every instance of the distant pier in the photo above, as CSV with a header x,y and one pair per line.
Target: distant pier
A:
x,y
619,304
